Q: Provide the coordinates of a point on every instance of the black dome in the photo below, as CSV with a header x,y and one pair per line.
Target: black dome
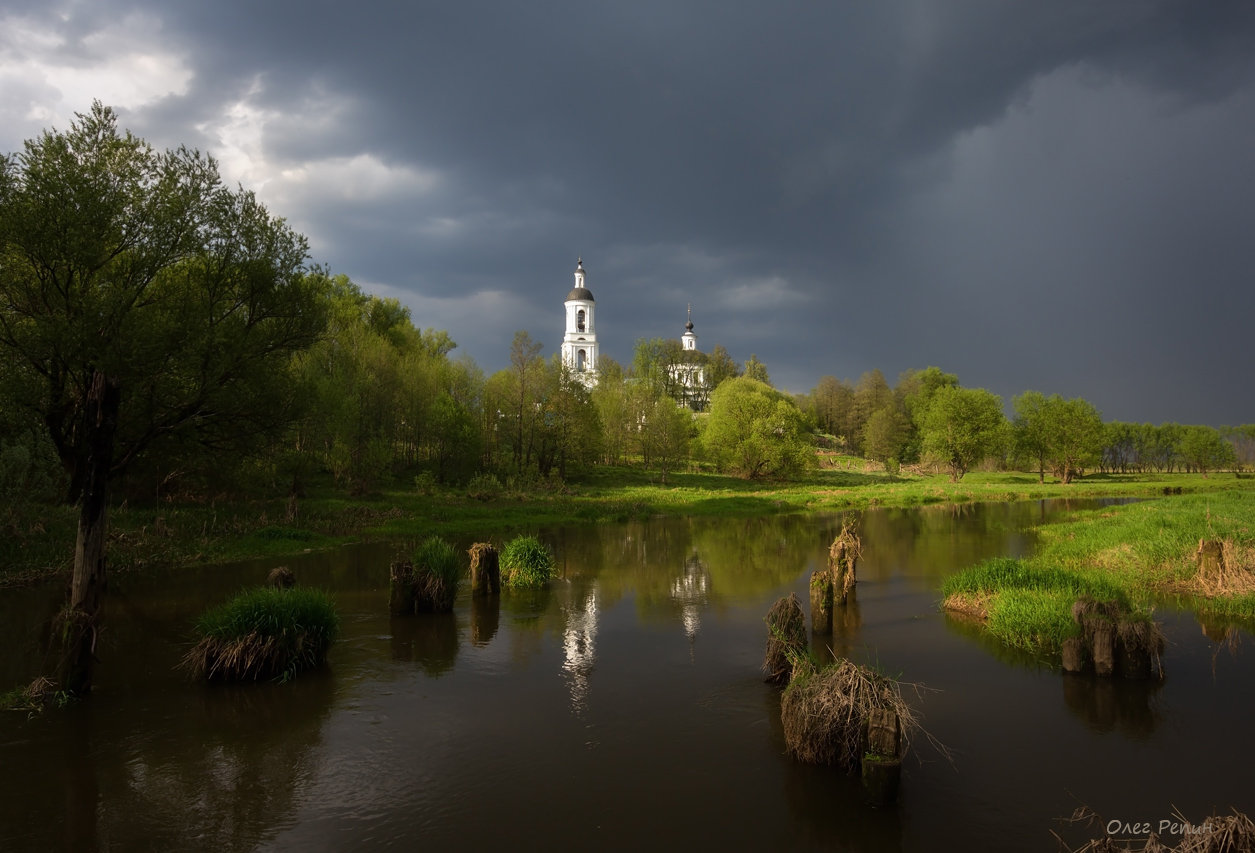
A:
x,y
580,293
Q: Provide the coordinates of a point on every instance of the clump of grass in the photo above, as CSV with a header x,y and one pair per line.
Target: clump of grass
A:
x,y
786,639
263,633
825,711
527,563
437,573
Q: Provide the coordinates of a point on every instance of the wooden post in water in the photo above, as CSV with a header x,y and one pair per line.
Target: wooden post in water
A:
x,y
821,601
836,564
882,764
401,587
485,570
1104,648
1073,654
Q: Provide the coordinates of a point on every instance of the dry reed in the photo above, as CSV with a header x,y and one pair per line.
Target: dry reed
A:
x,y
786,638
281,578
825,711
1233,833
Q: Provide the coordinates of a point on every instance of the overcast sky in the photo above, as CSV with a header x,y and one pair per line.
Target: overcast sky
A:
x,y
1046,195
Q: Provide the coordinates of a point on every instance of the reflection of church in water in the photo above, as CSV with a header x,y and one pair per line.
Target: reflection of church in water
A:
x,y
579,347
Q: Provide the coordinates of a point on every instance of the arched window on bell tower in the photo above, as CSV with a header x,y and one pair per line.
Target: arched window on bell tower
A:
x,y
580,363
579,320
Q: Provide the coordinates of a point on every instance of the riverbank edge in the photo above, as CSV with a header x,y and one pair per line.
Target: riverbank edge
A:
x,y
178,535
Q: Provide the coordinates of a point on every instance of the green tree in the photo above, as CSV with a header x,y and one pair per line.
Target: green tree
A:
x,y
118,258
720,367
140,301
1073,434
885,434
1204,449
755,431
962,427
666,429
1029,429
756,370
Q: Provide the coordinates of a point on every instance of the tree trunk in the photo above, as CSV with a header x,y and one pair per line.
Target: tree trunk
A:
x,y
87,591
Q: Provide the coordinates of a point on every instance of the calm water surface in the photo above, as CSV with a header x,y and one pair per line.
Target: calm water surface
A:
x,y
624,708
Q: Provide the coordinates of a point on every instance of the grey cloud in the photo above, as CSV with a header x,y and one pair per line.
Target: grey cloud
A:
x,y
824,153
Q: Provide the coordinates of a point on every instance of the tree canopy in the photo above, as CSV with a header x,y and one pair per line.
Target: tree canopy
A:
x,y
963,426
754,431
139,264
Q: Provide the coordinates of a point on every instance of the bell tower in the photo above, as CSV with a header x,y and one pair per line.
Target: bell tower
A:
x,y
579,344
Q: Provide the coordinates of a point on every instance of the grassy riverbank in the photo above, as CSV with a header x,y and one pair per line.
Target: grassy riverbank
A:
x,y
1137,555
40,540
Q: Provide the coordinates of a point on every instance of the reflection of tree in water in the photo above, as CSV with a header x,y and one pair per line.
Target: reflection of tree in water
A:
x,y
579,646
689,591
429,639
227,784
1110,704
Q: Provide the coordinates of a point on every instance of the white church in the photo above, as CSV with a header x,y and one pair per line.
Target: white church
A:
x,y
579,346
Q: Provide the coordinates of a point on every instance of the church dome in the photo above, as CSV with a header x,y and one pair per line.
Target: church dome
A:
x,y
580,293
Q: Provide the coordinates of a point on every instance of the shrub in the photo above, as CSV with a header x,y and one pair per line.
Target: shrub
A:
x,y
483,487
526,562
264,633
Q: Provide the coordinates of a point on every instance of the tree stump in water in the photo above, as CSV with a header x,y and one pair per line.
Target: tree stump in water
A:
x,y
821,602
485,570
786,636
881,765
401,587
1103,649
1073,654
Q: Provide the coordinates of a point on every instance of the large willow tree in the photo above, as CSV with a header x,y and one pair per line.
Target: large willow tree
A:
x,y
140,299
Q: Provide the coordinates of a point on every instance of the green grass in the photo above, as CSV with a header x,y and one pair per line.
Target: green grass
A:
x,y
526,563
264,632
1136,554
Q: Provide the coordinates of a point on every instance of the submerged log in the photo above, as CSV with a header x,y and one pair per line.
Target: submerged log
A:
x,y
485,570
1073,654
401,587
821,602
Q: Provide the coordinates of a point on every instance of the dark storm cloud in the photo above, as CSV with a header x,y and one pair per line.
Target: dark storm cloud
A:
x,y
1041,195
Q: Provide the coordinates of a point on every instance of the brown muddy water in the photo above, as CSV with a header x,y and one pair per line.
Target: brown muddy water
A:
x,y
623,709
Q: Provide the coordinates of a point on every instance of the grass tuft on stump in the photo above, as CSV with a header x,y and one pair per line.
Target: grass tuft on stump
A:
x,y
263,633
825,711
437,573
526,563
